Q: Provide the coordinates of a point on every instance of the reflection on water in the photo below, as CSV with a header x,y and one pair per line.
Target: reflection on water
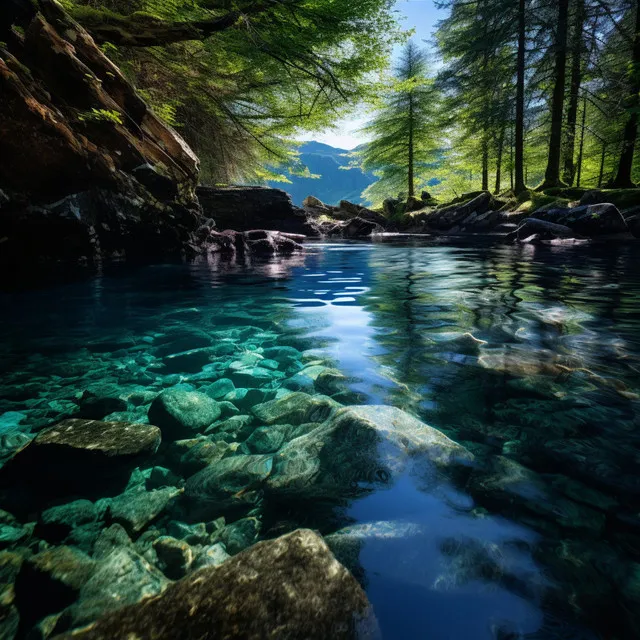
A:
x,y
528,358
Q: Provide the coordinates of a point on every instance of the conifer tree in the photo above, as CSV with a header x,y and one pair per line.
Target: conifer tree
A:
x,y
404,130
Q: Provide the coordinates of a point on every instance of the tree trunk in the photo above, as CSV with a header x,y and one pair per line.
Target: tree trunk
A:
x,y
574,92
623,178
500,151
582,132
602,161
485,164
520,184
411,179
552,174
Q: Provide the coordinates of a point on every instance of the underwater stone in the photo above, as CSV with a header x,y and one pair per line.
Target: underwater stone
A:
x,y
234,429
244,399
219,388
50,581
212,556
135,509
511,487
111,538
78,457
174,556
10,535
238,536
228,409
359,448
190,456
295,408
191,533
161,477
231,483
181,414
9,616
188,361
56,523
268,439
122,578
94,408
293,584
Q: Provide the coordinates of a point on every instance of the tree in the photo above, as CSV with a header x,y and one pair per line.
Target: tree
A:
x,y
520,185
404,132
623,177
552,173
242,79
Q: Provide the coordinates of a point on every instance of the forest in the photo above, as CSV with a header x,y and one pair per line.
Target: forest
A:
x,y
513,94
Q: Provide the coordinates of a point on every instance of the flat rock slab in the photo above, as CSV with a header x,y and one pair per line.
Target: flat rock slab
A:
x,y
83,458
291,587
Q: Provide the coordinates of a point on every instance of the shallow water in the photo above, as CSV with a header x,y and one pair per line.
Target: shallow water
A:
x,y
528,357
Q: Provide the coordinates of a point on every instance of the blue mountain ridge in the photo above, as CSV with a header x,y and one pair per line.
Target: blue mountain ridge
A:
x,y
334,183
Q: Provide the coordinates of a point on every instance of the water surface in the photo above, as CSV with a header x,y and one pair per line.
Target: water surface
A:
x,y
528,357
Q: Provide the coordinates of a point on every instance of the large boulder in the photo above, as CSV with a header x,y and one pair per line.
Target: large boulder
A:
x,y
246,208
357,449
78,457
533,229
182,414
292,587
112,178
593,220
361,228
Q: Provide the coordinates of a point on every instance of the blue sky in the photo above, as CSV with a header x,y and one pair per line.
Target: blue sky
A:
x,y
420,15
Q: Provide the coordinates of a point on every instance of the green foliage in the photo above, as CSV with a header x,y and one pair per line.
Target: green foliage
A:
x,y
404,130
101,115
241,96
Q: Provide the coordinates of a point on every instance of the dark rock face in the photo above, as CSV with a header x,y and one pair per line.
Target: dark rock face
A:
x,y
77,457
293,584
246,208
589,220
88,170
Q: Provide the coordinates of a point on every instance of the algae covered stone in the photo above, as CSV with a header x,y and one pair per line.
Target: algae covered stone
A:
x,y
78,457
135,509
292,584
232,482
183,414
294,408
359,448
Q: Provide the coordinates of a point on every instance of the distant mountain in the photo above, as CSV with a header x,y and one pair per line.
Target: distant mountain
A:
x,y
334,184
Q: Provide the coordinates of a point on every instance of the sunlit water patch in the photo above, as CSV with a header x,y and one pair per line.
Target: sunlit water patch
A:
x,y
521,521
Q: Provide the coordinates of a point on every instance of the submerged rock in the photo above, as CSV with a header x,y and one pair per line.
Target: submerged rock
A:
x,y
79,457
292,584
174,556
360,447
231,483
124,577
295,408
134,510
182,414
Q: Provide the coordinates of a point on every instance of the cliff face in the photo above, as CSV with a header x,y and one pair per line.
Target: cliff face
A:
x,y
87,169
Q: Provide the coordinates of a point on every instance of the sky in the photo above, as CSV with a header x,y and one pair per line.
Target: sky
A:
x,y
421,15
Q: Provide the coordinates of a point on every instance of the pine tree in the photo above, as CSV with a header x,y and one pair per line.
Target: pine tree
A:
x,y
404,131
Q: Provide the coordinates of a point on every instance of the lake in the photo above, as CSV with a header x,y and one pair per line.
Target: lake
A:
x,y
527,357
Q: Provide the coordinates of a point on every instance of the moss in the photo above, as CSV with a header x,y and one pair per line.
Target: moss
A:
x,y
622,198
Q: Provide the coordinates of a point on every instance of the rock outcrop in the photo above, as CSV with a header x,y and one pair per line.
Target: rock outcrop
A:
x,y
88,169
246,208
592,220
292,584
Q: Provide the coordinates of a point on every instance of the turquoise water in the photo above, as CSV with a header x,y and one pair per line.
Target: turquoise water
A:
x,y
527,357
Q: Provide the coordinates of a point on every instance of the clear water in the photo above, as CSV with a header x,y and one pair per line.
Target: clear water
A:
x,y
528,357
